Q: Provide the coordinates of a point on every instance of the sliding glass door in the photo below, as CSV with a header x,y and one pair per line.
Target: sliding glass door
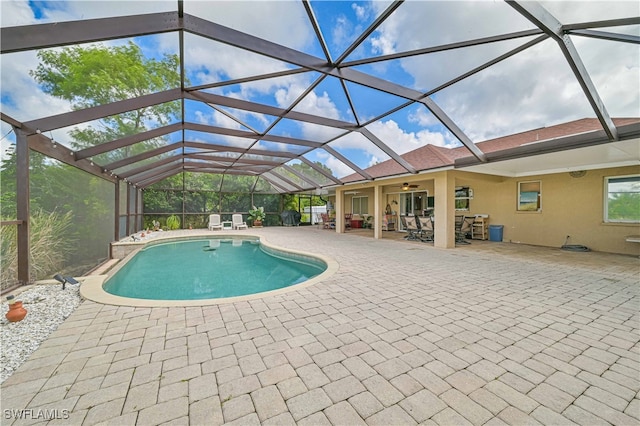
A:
x,y
412,203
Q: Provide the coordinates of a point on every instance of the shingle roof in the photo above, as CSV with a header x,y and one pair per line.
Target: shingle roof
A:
x,y
430,157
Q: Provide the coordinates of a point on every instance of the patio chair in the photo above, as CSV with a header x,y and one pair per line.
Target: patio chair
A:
x,y
237,222
463,226
412,227
347,221
327,223
214,222
426,228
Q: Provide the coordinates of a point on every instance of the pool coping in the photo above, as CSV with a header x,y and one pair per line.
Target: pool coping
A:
x,y
91,287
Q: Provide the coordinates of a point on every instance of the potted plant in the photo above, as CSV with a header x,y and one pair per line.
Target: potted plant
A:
x,y
257,215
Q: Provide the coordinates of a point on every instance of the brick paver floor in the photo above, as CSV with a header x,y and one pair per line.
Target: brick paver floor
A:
x,y
403,333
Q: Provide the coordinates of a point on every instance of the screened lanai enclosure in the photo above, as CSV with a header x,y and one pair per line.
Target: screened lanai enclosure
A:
x,y
117,114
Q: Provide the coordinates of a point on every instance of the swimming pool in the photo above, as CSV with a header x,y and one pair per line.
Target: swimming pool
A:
x,y
210,269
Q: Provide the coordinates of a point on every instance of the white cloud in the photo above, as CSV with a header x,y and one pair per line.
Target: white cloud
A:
x,y
338,168
14,13
373,161
535,88
361,12
402,141
532,89
22,99
282,22
382,45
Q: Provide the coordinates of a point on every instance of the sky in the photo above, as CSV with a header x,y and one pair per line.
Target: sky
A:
x,y
535,88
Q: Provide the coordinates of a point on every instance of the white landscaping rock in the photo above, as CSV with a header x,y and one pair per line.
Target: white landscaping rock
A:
x,y
47,307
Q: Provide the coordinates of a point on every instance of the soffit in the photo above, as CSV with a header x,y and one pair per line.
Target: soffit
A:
x,y
617,154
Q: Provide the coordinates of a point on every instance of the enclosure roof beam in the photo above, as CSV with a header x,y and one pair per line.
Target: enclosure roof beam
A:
x,y
319,170
127,141
67,119
540,17
151,180
10,120
231,160
605,35
286,180
43,36
266,109
367,32
276,180
232,37
146,167
391,153
203,168
249,135
300,175
46,146
348,162
453,128
316,28
248,79
254,44
142,156
224,148
444,47
281,188
608,23
142,177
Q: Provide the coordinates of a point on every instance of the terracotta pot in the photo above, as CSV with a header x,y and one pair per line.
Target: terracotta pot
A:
x,y
257,223
16,312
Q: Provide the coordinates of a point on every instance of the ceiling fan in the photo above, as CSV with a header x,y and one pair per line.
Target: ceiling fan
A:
x,y
406,186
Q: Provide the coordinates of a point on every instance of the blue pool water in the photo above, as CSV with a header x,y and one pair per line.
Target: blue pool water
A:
x,y
208,269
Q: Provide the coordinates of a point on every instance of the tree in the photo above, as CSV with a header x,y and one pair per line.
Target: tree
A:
x,y
312,173
624,206
87,77
98,75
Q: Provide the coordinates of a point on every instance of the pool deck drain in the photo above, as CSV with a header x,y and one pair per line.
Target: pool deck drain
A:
x,y
403,333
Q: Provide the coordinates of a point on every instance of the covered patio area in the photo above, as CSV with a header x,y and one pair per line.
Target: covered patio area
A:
x,y
404,333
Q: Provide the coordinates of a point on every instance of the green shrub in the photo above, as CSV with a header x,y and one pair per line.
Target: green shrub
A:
x,y
49,246
173,222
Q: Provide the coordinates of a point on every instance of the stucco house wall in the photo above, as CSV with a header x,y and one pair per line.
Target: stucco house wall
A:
x,y
570,207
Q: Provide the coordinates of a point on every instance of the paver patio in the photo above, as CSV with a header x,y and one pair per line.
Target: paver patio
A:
x,y
403,333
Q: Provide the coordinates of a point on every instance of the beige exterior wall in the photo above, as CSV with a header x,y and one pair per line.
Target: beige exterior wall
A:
x,y
570,206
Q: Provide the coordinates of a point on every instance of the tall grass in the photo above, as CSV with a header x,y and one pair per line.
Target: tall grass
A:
x,y
49,246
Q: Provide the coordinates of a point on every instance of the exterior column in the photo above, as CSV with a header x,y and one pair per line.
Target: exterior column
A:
x,y
444,210
128,221
339,211
378,211
22,205
116,208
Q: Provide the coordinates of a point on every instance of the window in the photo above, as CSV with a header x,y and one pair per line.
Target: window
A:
x,y
622,199
463,195
360,205
529,196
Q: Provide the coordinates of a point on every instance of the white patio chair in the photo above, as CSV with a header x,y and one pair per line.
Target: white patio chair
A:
x,y
237,221
214,222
